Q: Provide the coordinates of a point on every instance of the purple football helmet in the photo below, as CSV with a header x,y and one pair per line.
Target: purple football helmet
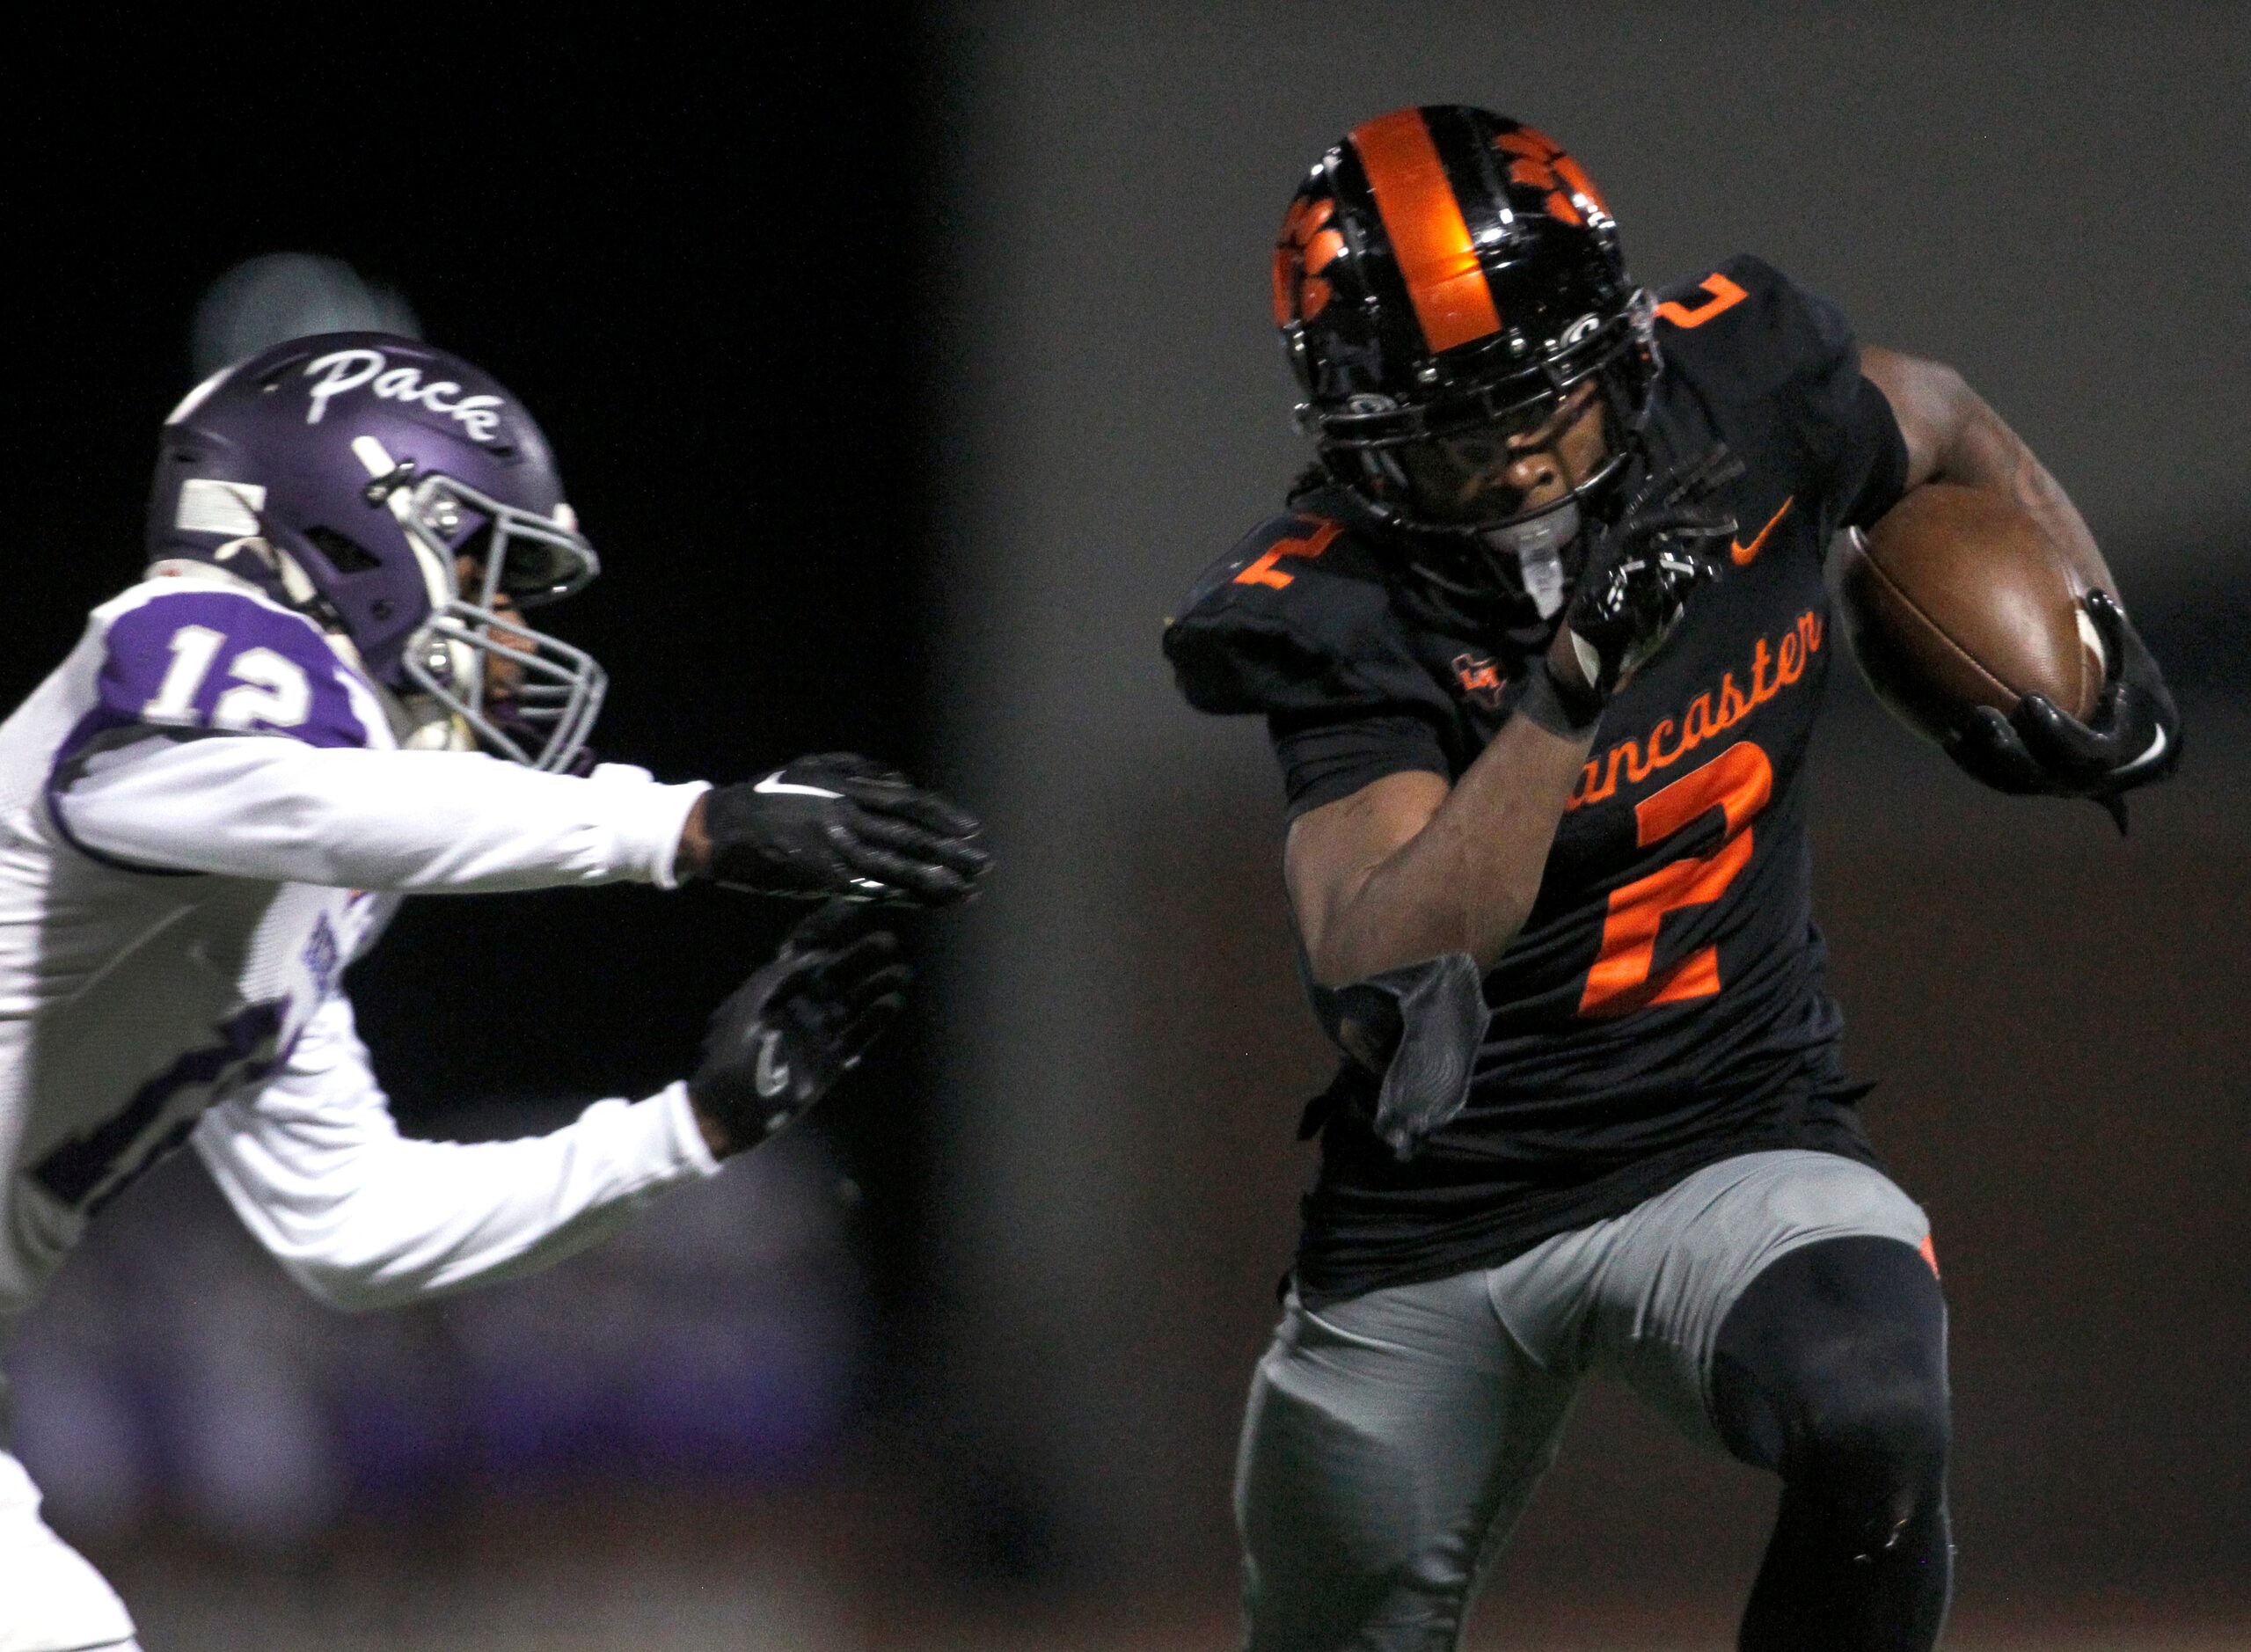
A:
x,y
347,473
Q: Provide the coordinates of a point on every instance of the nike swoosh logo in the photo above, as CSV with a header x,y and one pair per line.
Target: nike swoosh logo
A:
x,y
774,786
2156,750
1742,553
772,1075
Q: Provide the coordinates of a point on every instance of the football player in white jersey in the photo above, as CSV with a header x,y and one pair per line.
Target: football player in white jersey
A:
x,y
322,697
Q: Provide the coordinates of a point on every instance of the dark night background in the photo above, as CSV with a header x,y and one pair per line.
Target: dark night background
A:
x,y
705,296
904,367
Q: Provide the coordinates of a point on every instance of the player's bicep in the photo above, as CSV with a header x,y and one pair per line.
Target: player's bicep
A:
x,y
1358,786
1929,399
1332,849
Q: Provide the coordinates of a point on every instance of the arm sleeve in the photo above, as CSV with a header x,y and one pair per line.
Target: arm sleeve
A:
x,y
1846,420
1872,464
404,822
1326,758
363,1217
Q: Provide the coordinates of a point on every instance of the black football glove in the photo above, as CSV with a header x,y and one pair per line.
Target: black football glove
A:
x,y
839,824
1640,573
785,1036
2132,739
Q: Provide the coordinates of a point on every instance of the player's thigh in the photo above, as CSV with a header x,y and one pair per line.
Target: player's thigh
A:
x,y
51,1600
1390,1441
1677,1264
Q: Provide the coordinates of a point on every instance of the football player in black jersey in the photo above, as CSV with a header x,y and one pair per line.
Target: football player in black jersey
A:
x,y
1541,642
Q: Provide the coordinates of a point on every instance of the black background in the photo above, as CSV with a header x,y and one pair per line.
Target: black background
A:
x,y
694,260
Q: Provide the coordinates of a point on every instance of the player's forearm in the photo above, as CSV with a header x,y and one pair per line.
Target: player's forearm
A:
x,y
394,821
1466,881
369,1220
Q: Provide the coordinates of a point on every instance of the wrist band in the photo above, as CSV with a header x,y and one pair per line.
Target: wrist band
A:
x,y
1546,702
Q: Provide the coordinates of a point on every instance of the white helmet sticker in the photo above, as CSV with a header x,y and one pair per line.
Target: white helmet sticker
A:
x,y
373,457
343,370
225,508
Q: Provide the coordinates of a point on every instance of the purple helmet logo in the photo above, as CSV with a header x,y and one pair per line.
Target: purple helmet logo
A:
x,y
361,477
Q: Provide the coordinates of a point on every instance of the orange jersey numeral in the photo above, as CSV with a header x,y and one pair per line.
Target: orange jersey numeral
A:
x,y
1725,295
1263,571
1738,783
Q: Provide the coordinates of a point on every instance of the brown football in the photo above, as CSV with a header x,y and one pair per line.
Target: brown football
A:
x,y
1956,598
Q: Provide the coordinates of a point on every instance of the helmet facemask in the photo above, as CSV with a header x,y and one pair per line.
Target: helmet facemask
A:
x,y
524,694
1427,472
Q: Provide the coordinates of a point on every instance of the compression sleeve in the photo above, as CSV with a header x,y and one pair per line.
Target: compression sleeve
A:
x,y
1872,465
1326,758
364,1218
406,821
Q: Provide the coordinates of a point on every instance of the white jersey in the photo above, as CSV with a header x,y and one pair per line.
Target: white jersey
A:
x,y
203,818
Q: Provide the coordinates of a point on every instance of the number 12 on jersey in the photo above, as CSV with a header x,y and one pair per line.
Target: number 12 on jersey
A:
x,y
271,690
1738,783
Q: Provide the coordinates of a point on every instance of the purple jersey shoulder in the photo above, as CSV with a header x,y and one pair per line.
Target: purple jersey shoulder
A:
x,y
222,661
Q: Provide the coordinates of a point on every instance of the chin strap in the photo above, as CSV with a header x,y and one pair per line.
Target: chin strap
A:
x,y
1420,1026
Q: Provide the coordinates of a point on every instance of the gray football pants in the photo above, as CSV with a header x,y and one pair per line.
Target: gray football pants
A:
x,y
1392,1439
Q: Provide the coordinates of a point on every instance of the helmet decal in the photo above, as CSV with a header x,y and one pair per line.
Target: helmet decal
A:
x,y
227,509
1540,162
1429,237
345,371
1306,248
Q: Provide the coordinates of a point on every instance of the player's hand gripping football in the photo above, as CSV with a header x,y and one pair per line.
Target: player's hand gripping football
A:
x,y
836,824
784,1037
2132,739
1641,571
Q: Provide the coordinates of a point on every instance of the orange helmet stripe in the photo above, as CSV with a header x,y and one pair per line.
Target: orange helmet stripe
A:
x,y
1437,258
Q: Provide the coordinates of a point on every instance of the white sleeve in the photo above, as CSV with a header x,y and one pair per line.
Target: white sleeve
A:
x,y
409,822
364,1218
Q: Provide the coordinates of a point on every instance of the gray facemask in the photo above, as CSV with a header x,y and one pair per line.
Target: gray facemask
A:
x,y
557,688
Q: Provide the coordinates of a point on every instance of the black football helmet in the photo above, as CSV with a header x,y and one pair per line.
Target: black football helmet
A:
x,y
1446,279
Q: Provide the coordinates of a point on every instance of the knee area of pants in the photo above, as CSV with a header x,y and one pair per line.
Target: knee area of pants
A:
x,y
1873,1468
1879,1416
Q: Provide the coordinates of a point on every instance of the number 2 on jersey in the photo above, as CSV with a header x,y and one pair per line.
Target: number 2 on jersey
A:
x,y
1738,783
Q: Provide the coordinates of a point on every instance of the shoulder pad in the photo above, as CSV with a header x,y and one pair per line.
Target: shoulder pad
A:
x,y
185,655
1296,617
1746,329
1776,362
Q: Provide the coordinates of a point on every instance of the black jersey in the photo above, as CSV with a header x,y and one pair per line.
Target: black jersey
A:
x,y
1663,1005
